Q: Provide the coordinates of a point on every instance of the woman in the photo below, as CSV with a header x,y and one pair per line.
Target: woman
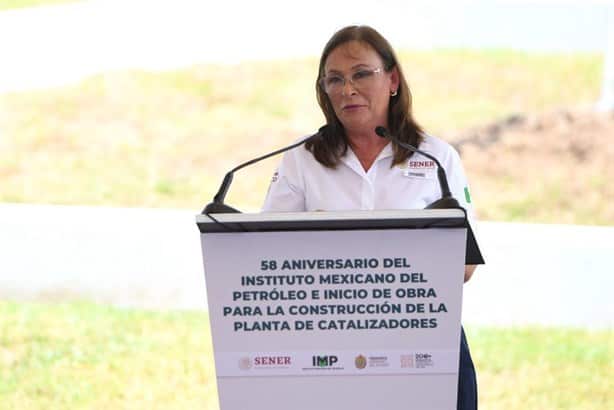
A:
x,y
361,86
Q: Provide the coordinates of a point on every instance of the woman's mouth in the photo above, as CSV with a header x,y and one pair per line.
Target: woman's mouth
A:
x,y
351,107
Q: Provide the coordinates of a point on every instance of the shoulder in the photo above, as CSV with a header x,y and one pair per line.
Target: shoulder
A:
x,y
297,160
444,151
299,155
437,146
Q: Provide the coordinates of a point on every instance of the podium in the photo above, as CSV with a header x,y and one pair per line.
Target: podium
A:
x,y
335,310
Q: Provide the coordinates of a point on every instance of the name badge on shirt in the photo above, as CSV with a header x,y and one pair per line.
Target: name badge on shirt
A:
x,y
422,169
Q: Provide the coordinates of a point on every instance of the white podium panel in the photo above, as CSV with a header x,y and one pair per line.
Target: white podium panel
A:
x,y
343,319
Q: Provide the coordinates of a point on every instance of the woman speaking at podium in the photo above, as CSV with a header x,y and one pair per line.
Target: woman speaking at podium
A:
x,y
348,166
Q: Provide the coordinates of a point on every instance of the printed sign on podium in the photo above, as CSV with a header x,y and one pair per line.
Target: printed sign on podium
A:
x,y
335,310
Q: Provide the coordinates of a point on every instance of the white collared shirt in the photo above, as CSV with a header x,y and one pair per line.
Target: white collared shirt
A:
x,y
303,184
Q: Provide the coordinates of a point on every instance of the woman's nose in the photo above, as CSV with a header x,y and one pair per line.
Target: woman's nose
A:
x,y
348,88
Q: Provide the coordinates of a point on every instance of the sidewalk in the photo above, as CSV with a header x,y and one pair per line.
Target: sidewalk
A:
x,y
535,274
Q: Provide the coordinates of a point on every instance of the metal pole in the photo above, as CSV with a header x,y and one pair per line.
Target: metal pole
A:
x,y
606,103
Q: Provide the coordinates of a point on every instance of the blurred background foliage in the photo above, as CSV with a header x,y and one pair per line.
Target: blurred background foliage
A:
x,y
165,139
18,4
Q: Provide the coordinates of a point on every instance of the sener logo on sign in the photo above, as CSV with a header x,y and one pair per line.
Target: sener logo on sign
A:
x,y
272,361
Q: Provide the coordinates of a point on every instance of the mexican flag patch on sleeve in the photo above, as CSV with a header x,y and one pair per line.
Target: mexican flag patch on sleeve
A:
x,y
467,195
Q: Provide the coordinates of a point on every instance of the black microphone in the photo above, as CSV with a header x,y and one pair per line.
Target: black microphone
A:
x,y
446,201
218,206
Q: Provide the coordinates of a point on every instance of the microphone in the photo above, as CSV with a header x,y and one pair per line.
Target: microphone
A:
x,y
218,206
446,201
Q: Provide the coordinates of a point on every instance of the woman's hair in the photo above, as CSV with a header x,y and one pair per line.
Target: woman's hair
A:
x,y
334,144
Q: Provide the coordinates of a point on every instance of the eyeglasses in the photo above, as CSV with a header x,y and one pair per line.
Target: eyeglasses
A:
x,y
363,78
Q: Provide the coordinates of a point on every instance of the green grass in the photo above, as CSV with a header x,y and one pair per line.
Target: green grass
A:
x,y
86,356
136,138
18,4
544,368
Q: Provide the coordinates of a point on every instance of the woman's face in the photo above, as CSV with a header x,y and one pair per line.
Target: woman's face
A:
x,y
361,106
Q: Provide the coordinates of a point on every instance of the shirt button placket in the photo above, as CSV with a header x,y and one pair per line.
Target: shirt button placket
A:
x,y
368,190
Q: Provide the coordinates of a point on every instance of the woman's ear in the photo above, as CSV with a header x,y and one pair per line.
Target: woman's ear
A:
x,y
394,80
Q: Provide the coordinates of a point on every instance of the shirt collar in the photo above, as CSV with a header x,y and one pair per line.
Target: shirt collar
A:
x,y
352,161
386,152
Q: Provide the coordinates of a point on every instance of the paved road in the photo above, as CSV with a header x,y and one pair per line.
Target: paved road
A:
x,y
51,45
133,257
541,274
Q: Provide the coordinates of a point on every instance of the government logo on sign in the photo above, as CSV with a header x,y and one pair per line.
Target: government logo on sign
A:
x,y
360,362
245,363
407,361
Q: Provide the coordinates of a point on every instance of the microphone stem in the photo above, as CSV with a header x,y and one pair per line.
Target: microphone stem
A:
x,y
250,162
218,199
221,193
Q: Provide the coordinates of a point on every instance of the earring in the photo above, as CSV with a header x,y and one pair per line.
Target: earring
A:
x,y
393,93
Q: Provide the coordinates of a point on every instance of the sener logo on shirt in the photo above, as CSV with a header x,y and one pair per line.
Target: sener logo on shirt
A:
x,y
418,164
420,168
